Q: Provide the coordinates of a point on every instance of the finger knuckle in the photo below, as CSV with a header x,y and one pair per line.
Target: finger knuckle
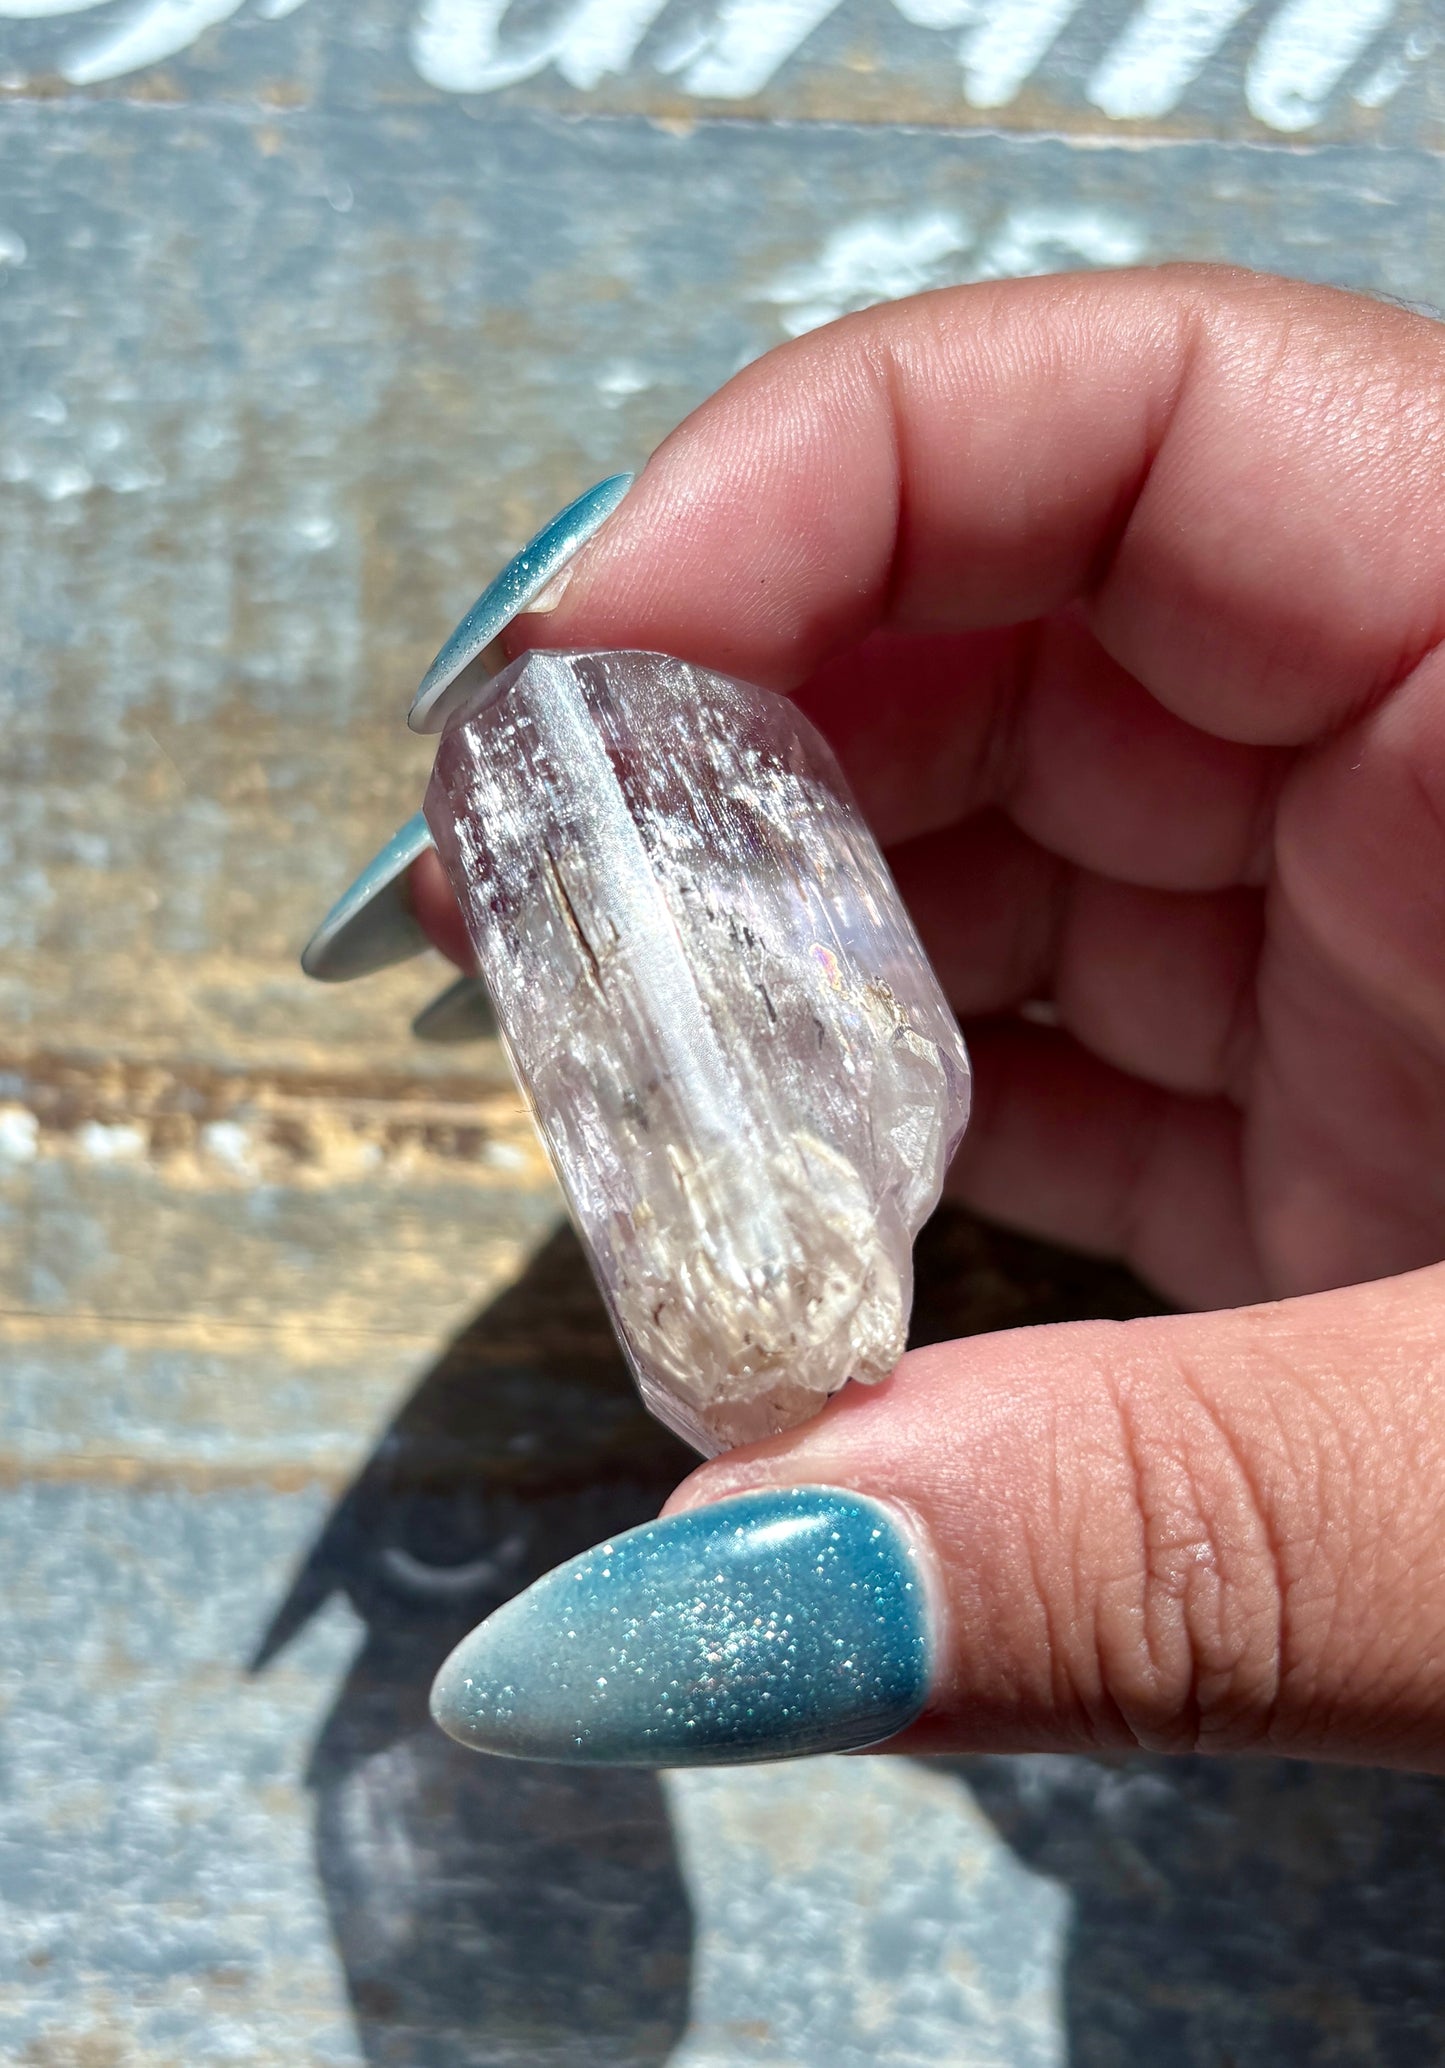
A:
x,y
1189,1634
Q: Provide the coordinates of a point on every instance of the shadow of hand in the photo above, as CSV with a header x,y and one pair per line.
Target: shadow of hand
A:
x,y
491,1911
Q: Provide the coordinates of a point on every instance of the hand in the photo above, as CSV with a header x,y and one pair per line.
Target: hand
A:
x,y
1122,599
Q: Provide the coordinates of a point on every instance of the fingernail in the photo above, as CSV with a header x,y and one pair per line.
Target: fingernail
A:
x,y
550,598
521,582
463,1012
776,1623
372,925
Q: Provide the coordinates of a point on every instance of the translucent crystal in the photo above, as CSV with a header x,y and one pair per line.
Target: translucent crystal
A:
x,y
718,1007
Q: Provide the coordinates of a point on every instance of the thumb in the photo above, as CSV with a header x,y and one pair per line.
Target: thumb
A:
x,y
1211,1532
1216,1533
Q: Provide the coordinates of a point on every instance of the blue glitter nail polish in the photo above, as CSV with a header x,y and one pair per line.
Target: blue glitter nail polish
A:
x,y
372,925
463,1012
767,1626
518,585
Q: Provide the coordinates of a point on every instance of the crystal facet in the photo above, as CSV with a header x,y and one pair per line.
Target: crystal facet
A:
x,y
732,1040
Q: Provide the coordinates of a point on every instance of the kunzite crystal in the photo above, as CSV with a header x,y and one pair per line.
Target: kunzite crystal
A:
x,y
732,1040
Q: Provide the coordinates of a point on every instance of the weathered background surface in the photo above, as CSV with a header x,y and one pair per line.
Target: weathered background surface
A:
x,y
309,310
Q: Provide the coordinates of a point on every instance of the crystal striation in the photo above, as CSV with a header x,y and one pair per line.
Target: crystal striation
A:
x,y
720,1012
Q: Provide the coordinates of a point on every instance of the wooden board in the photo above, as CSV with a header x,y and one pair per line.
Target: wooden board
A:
x,y
308,314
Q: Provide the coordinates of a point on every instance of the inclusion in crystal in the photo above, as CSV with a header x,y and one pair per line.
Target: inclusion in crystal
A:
x,y
727,1028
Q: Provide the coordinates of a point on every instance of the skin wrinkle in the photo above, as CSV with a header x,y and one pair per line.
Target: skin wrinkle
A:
x,y
1041,1599
862,377
1344,1519
883,364
1037,1551
1260,1596
1158,1703
1185,346
1067,1522
1091,1590
1327,1621
1052,1571
1193,367
1317,1462
1376,1497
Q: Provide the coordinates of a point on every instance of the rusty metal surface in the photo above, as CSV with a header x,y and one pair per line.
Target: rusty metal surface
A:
x,y
308,313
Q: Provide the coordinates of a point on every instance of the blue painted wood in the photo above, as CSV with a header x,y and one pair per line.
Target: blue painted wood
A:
x,y
1327,70
298,340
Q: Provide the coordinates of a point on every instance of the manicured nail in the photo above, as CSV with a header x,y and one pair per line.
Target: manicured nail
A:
x,y
519,585
372,924
463,1012
773,1624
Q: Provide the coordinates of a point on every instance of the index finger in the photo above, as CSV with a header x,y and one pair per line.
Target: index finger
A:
x,y
1235,476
